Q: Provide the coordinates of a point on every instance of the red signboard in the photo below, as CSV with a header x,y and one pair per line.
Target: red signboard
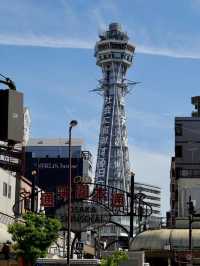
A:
x,y
118,200
62,192
47,199
100,194
81,191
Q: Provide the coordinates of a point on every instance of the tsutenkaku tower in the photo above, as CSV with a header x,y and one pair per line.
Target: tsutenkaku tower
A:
x,y
114,54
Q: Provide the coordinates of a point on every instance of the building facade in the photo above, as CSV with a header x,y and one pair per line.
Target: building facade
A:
x,y
49,157
7,195
153,198
185,165
7,201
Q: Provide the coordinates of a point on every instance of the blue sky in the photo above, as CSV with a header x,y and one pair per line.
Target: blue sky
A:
x,y
46,47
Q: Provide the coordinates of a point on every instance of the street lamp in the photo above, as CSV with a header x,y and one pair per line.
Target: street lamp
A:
x,y
72,124
132,196
34,176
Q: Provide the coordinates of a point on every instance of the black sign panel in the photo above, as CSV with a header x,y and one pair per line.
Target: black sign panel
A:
x,y
85,215
53,172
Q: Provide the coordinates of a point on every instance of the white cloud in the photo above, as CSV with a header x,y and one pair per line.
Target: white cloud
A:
x,y
170,52
29,27
61,42
85,37
43,41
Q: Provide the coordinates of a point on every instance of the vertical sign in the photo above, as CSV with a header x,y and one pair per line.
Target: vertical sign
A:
x,y
104,140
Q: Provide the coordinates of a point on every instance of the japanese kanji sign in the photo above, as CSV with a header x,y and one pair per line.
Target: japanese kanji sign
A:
x,y
118,200
62,192
47,199
81,191
100,194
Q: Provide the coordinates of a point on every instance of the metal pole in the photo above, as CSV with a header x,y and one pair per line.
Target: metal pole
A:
x,y
69,201
33,191
64,243
132,205
190,232
73,123
190,224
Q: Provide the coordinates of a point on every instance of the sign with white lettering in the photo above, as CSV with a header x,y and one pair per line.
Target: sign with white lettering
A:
x,y
53,172
86,215
104,141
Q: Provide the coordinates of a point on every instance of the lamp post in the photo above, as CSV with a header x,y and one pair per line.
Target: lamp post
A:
x,y
132,196
34,175
191,214
72,124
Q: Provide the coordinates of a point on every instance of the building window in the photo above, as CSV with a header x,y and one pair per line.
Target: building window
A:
x,y
88,237
178,172
178,151
113,229
5,189
178,130
9,191
27,204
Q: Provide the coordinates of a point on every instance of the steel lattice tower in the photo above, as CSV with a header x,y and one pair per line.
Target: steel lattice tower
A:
x,y
114,54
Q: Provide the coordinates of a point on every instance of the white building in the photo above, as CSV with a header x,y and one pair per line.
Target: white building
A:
x,y
7,201
153,198
7,195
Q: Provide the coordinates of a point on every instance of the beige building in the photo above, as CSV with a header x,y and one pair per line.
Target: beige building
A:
x,y
185,165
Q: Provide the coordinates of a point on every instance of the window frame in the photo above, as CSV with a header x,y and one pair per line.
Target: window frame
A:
x,y
178,129
5,189
9,191
178,151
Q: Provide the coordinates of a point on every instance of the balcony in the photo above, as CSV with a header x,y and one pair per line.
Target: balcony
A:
x,y
6,219
187,173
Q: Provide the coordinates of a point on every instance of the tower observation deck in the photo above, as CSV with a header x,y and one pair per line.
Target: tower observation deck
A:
x,y
114,54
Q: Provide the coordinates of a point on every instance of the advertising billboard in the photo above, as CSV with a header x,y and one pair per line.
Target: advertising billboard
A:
x,y
52,172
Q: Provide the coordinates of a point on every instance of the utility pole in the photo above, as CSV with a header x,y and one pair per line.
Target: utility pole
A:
x,y
132,196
